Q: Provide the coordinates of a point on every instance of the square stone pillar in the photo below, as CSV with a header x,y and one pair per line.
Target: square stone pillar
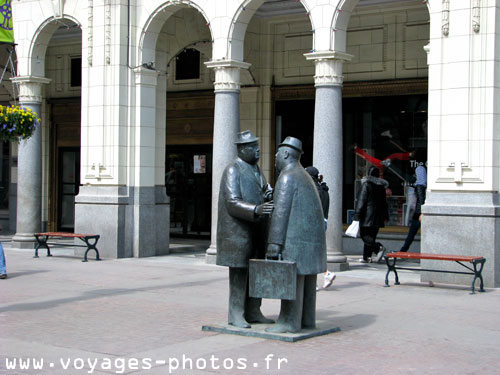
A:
x,y
462,209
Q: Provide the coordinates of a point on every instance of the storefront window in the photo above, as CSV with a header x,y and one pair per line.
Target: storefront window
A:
x,y
391,133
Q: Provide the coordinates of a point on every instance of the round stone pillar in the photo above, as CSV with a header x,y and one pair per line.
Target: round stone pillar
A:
x,y
29,167
226,125
327,152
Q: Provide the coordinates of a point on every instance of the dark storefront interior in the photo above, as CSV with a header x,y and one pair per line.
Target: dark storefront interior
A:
x,y
381,126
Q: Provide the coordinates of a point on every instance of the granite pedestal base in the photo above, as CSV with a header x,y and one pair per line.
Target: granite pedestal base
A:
x,y
23,241
338,267
259,330
461,223
132,221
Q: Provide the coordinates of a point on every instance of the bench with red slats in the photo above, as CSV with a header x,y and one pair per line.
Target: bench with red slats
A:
x,y
90,241
476,261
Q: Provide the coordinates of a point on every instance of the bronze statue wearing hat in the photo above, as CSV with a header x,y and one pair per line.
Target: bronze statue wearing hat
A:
x,y
297,234
241,224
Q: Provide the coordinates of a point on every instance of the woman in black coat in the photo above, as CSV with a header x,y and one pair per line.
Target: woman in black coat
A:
x,y
371,212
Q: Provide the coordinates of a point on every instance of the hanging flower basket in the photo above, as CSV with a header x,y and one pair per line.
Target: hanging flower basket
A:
x,y
17,123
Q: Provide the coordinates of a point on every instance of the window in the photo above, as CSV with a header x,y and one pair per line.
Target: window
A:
x,y
76,72
187,65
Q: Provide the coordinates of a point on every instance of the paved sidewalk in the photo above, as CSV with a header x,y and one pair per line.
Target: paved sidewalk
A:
x,y
124,316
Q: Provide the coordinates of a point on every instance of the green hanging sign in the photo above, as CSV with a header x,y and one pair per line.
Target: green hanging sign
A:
x,y
6,28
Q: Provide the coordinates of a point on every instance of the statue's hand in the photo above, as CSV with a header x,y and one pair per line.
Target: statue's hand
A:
x,y
264,209
268,194
273,251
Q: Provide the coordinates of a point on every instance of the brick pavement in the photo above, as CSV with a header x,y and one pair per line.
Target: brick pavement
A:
x,y
152,309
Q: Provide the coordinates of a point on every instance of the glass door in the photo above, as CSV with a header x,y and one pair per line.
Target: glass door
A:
x,y
69,185
188,181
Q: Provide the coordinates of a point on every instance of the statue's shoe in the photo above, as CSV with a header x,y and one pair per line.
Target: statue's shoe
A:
x,y
282,328
240,322
258,317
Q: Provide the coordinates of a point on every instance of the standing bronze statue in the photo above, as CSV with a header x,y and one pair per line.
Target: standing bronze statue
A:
x,y
241,227
297,234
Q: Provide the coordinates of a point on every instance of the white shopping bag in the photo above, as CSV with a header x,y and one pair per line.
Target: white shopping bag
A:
x,y
353,229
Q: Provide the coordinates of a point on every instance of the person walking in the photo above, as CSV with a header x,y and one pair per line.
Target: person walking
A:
x,y
324,197
371,212
3,268
420,188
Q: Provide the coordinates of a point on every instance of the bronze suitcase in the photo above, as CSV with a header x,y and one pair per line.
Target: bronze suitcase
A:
x,y
274,279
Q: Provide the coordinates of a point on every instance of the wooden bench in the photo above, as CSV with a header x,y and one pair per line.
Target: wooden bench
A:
x,y
476,261
89,239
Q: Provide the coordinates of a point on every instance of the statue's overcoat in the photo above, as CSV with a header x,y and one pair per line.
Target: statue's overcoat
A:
x,y
297,221
240,232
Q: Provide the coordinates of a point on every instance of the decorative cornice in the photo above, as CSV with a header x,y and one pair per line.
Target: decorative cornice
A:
x,y
328,67
90,31
357,89
227,74
476,15
107,32
445,18
30,88
58,9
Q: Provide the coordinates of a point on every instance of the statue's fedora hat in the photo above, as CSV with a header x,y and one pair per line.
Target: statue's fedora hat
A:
x,y
293,143
245,137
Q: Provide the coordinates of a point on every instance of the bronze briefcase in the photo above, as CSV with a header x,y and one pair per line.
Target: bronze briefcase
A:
x,y
275,279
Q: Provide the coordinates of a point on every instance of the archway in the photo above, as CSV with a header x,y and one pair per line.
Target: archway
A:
x,y
179,40
33,210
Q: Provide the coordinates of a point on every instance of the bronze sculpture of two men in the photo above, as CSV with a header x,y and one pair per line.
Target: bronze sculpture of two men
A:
x,y
295,232
242,212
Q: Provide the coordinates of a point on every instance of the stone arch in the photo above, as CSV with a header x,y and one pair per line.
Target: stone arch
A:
x,y
40,42
155,50
340,22
239,23
151,30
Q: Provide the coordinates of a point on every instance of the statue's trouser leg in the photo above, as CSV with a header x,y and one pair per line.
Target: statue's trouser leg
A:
x,y
309,307
237,295
253,313
290,319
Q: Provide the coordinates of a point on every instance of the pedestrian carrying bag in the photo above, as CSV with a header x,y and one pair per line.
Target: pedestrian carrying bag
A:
x,y
353,229
274,279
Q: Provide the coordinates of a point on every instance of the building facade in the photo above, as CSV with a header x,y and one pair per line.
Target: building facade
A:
x,y
144,98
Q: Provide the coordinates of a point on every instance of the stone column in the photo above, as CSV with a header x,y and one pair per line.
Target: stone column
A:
x,y
29,167
327,153
226,125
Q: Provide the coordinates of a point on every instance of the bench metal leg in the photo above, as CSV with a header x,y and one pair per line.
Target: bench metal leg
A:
x,y
478,274
391,267
91,242
42,242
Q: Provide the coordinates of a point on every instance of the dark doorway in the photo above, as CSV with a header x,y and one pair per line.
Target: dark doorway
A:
x,y
297,120
69,186
188,180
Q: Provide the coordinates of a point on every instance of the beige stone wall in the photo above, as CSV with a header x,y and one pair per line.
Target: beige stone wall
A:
x,y
387,44
58,68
